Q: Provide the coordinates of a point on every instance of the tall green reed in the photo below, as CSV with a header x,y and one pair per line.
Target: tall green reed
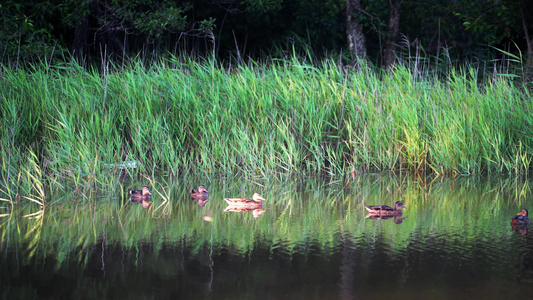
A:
x,y
286,118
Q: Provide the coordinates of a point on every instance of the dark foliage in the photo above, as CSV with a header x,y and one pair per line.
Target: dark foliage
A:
x,y
88,30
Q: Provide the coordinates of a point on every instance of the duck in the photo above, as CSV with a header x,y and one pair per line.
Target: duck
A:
x,y
521,218
139,196
255,203
201,193
386,210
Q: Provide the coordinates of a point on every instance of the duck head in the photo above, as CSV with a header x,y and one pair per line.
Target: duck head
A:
x,y
257,197
523,213
146,191
202,189
399,205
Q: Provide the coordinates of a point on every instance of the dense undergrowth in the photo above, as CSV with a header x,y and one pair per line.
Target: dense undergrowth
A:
x,y
284,118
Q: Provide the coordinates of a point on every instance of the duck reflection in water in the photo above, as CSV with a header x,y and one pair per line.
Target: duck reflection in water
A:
x,y
200,195
244,205
397,219
256,212
520,222
141,197
201,202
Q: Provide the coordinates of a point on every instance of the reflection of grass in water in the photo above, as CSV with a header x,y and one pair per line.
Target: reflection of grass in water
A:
x,y
300,217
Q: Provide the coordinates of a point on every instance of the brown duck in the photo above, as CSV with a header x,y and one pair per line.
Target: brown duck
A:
x,y
255,203
521,218
201,193
138,195
386,210
520,222
141,196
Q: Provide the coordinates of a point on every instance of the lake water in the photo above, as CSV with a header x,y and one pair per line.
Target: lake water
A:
x,y
312,241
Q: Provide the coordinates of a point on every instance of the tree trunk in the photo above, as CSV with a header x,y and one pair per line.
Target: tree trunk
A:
x,y
79,46
354,31
529,42
393,29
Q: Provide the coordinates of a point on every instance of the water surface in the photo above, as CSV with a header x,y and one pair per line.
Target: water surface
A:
x,y
311,242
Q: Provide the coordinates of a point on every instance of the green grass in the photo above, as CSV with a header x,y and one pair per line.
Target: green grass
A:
x,y
285,118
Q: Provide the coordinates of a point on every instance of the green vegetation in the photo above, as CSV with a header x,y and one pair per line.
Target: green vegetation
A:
x,y
286,118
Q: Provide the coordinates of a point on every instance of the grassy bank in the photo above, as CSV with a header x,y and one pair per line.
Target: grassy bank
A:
x,y
282,118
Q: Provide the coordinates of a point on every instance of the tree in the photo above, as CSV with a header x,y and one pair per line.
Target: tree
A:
x,y
27,33
500,22
354,31
529,41
393,30
34,30
113,26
